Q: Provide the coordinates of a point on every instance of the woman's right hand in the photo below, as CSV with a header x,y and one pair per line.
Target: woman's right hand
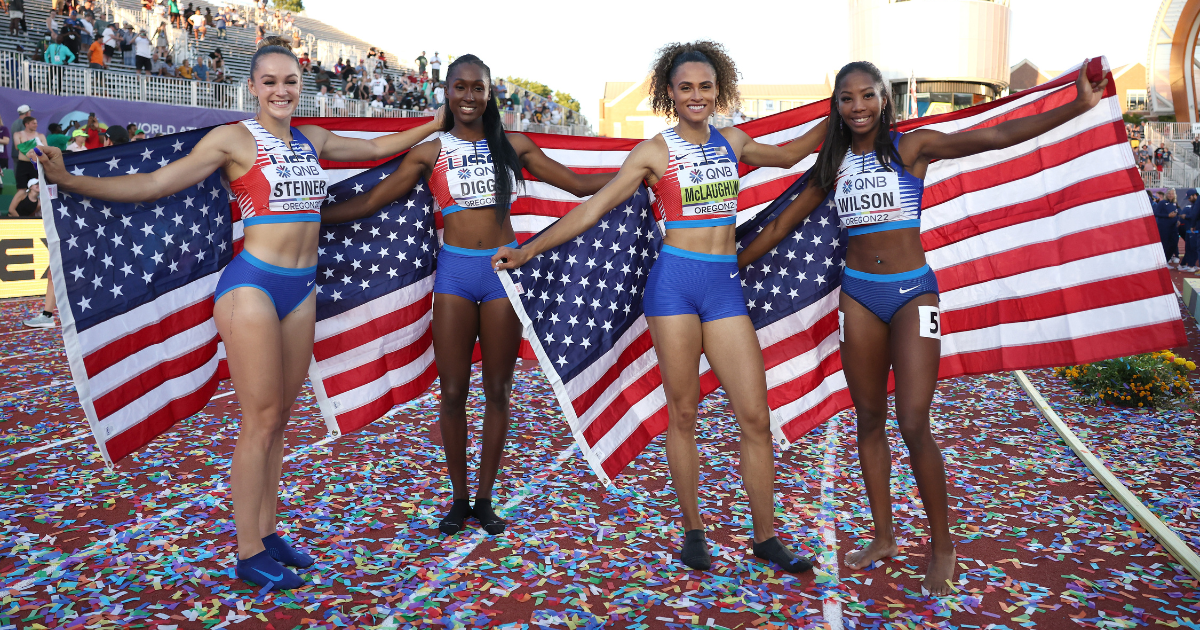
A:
x,y
509,258
51,161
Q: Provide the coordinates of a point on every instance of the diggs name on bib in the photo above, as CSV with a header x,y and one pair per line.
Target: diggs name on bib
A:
x,y
868,198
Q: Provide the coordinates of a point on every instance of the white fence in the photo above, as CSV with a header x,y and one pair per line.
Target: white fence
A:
x,y
75,80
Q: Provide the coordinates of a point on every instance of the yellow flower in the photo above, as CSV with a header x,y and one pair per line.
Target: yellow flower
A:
x,y
1180,361
1190,365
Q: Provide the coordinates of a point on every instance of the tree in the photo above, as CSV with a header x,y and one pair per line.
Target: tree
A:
x,y
541,89
564,99
295,6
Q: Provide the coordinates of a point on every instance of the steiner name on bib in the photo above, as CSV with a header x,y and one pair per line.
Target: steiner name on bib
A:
x,y
868,198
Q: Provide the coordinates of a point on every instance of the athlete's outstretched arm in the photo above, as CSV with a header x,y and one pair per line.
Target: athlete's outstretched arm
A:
x,y
777,230
399,183
210,154
331,146
637,167
756,153
935,145
550,171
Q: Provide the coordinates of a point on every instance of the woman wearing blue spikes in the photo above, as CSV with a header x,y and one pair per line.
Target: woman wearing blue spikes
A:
x,y
693,299
265,306
889,301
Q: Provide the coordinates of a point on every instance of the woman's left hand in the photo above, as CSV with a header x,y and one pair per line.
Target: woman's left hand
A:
x,y
1088,93
439,116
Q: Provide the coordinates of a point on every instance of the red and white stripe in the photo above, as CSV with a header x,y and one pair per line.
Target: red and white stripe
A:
x,y
1046,254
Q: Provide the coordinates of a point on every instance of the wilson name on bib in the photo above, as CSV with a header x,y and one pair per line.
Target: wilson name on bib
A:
x,y
868,198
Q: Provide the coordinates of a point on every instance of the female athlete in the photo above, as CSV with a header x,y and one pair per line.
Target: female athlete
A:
x,y
265,303
693,299
471,303
889,299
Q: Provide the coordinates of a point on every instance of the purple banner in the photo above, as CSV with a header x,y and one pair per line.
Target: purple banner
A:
x,y
153,118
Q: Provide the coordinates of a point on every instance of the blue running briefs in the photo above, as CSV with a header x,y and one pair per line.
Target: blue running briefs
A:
x,y
682,282
287,288
884,294
468,274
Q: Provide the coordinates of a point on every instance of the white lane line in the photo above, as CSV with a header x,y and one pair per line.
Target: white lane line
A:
x,y
1166,537
464,550
34,389
832,607
74,438
27,330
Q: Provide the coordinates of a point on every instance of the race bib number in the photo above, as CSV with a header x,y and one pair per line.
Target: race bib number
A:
x,y
472,180
868,198
931,321
709,189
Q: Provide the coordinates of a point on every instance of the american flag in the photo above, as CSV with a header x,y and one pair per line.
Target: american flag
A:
x,y
1046,254
374,336
135,286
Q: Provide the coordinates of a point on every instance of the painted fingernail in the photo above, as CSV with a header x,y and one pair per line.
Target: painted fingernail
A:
x,y
37,150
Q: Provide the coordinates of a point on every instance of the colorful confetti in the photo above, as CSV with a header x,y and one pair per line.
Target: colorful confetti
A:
x,y
150,545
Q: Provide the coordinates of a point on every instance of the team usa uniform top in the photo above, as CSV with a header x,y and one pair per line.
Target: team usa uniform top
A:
x,y
286,183
464,175
871,197
701,183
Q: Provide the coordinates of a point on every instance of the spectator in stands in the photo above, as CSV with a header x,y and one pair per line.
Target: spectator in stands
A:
x,y
378,86
173,12
260,32
25,139
305,62
1166,214
78,143
435,66
52,23
160,36
131,129
184,71
218,65
421,63
201,69
5,140
26,205
321,79
142,53
382,61
16,18
439,95
361,70
57,138
127,35
220,22
515,101
1189,227
166,66
96,55
199,25
95,134
139,136
87,31
58,55
501,93
208,16
1196,144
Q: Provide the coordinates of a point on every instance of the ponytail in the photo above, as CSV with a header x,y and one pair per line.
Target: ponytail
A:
x,y
505,162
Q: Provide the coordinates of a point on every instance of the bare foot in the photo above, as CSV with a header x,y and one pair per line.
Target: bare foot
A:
x,y
877,550
939,577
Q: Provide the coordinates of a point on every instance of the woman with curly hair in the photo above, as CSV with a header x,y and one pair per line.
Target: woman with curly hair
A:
x,y
470,303
889,300
693,298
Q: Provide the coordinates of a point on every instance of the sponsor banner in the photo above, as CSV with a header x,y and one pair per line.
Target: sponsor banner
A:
x,y
153,118
24,259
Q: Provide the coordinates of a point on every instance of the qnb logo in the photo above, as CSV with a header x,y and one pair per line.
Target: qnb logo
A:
x,y
696,175
282,171
464,173
847,186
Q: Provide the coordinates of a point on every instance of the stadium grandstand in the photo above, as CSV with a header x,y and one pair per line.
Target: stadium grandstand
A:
x,y
226,63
